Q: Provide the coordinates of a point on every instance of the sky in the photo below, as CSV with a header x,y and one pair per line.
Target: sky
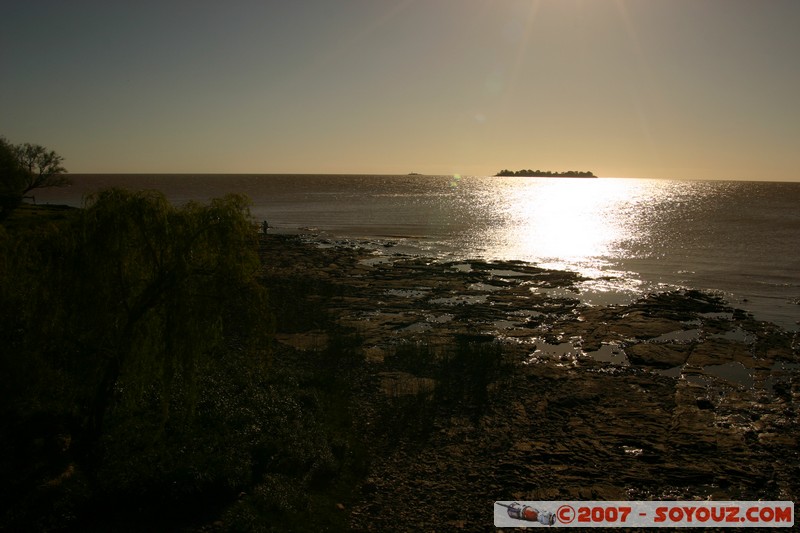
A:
x,y
703,89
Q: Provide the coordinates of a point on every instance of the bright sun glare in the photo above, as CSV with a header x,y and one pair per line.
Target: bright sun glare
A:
x,y
575,222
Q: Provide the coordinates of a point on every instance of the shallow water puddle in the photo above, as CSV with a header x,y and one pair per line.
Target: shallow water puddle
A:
x,y
525,314
737,335
417,327
564,351
408,293
571,351
781,373
570,293
440,319
699,379
460,300
705,375
679,336
723,315
609,291
485,287
674,372
429,323
610,353
733,372
374,261
509,273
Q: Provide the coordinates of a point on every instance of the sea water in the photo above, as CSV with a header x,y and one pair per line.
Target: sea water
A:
x,y
626,236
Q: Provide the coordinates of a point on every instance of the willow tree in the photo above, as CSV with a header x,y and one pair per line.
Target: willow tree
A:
x,y
11,179
141,293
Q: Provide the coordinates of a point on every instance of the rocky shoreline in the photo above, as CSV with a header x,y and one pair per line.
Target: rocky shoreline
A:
x,y
675,396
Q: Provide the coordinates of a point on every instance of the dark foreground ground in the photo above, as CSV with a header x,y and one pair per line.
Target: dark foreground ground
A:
x,y
474,386
402,394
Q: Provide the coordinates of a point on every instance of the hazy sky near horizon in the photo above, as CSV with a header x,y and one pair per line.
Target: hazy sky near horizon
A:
x,y
643,88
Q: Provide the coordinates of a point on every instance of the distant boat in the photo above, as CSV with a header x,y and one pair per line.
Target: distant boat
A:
x,y
414,174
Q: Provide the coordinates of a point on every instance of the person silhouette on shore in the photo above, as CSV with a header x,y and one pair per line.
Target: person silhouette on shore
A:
x,y
264,227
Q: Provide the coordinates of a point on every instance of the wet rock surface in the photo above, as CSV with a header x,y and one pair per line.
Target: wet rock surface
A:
x,y
675,396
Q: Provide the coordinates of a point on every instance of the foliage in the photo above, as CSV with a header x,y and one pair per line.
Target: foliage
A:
x,y
462,372
25,167
547,173
11,176
140,388
42,167
138,334
466,372
139,292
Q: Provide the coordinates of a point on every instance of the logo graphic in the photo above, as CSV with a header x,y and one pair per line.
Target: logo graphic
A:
x,y
518,511
622,514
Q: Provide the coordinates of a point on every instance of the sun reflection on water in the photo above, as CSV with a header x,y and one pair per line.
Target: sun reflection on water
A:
x,y
571,223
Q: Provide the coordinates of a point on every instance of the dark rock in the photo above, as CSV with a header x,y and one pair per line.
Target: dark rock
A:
x,y
540,428
705,403
658,355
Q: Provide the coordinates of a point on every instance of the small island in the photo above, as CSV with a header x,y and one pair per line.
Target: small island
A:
x,y
547,173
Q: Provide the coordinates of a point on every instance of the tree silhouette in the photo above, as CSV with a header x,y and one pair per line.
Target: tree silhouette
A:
x,y
131,295
11,177
25,167
546,173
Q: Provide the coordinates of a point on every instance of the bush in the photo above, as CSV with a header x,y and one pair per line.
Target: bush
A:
x,y
140,391
130,326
